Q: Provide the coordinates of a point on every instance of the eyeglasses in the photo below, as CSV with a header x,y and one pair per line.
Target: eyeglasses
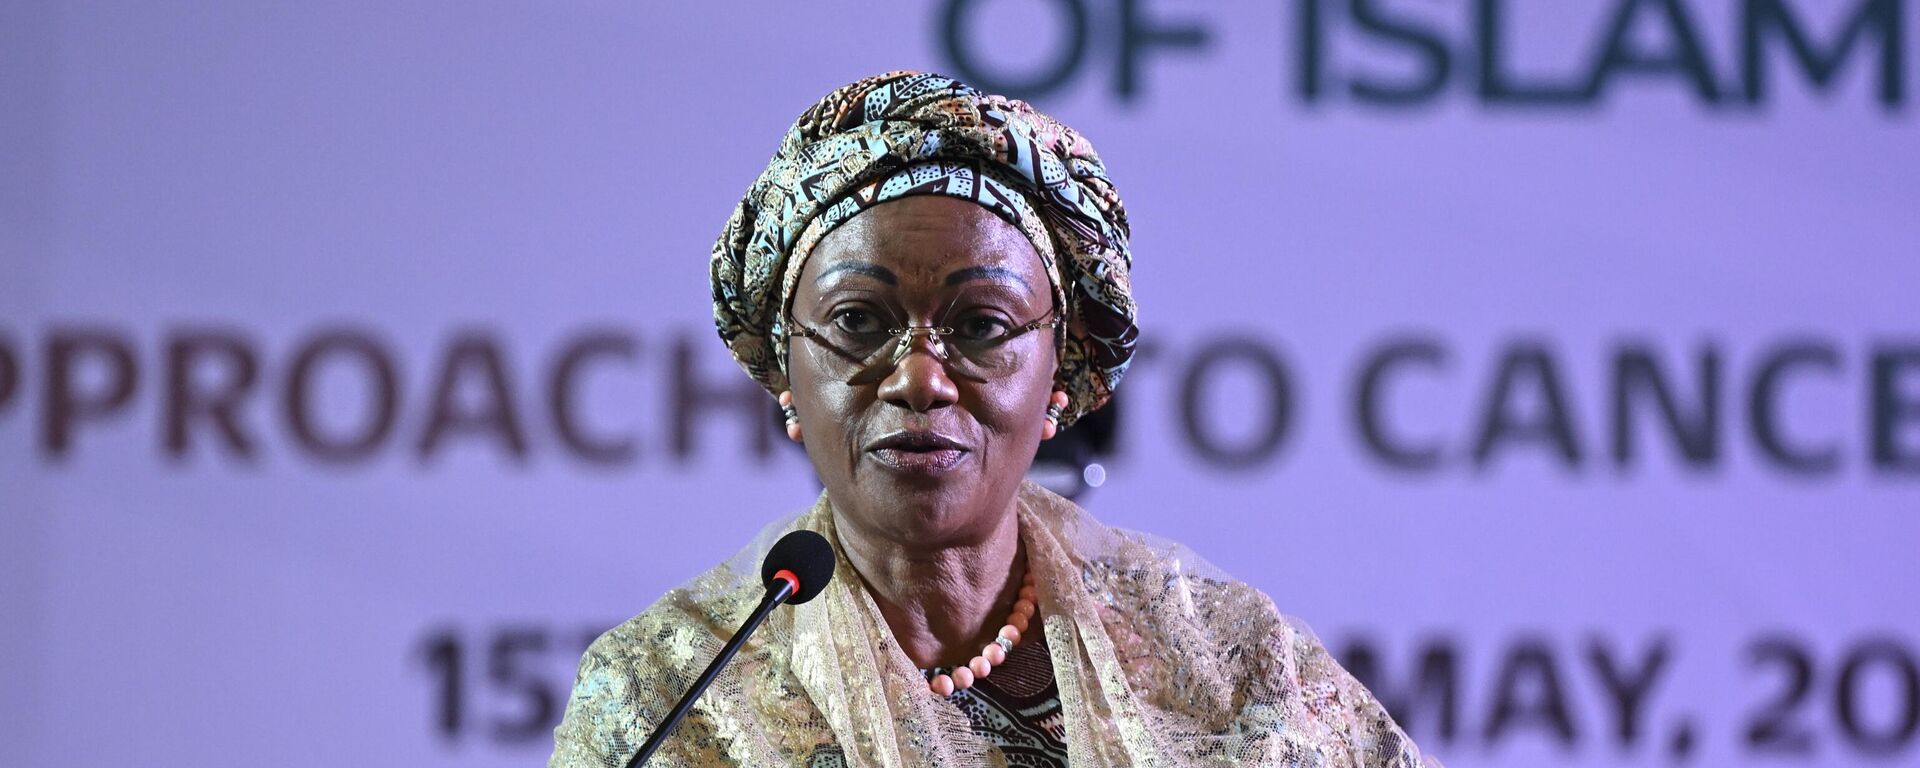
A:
x,y
865,349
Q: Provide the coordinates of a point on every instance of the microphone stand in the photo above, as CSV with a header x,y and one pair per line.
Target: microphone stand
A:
x,y
785,584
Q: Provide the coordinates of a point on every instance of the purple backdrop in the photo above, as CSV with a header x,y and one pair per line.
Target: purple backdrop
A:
x,y
1558,362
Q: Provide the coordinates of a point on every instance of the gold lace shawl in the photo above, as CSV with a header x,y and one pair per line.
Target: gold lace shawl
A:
x,y
1160,661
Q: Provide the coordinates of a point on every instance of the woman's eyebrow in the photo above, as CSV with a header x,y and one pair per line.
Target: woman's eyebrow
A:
x,y
980,273
874,271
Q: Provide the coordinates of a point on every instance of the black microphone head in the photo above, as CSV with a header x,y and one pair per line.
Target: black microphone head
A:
x,y
808,556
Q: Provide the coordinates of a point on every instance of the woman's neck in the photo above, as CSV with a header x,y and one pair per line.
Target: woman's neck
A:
x,y
942,605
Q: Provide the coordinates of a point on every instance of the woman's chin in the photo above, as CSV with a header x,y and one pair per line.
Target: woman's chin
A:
x,y
920,510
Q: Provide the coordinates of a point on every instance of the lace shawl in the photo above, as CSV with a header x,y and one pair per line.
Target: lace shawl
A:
x,y
1160,660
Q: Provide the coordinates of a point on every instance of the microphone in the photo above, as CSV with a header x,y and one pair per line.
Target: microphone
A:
x,y
795,571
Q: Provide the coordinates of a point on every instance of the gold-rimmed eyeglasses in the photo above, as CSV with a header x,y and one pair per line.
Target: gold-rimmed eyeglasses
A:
x,y
976,347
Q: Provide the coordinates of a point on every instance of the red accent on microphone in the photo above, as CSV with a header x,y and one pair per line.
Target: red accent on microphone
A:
x,y
790,579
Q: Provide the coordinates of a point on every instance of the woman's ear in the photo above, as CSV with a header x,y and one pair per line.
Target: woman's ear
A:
x,y
1056,405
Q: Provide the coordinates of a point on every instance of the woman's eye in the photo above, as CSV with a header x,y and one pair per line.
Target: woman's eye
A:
x,y
856,321
982,328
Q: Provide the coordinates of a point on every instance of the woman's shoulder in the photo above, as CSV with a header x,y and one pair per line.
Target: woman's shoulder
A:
x,y
1240,657
683,627
690,622
633,673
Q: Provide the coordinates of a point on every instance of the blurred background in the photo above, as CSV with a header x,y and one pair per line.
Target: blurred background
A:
x,y
1558,362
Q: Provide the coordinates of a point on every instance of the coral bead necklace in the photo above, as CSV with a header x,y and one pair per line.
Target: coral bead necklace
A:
x,y
995,653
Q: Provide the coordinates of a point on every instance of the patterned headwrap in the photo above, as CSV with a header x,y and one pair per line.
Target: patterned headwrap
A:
x,y
910,133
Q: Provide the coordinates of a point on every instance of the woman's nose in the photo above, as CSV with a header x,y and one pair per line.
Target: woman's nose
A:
x,y
919,380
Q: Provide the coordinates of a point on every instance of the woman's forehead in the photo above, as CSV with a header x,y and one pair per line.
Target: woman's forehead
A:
x,y
926,240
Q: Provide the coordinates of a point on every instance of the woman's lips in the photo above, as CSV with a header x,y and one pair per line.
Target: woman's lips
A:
x,y
919,461
918,452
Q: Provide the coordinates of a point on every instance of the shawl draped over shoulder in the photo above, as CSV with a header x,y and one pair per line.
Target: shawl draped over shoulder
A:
x,y
1160,661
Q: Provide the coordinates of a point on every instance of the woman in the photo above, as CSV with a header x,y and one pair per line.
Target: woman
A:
x,y
931,281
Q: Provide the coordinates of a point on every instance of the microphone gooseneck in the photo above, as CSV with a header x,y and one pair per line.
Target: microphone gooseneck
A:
x,y
795,571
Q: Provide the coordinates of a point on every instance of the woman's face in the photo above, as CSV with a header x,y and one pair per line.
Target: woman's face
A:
x,y
914,449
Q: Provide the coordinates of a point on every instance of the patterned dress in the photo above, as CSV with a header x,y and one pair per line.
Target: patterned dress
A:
x,y
1017,708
